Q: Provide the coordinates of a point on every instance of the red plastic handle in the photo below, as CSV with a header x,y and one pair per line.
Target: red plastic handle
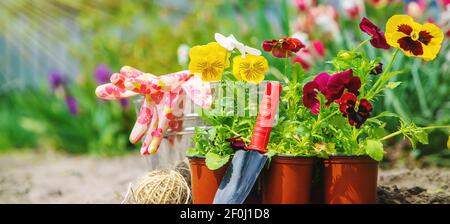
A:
x,y
266,115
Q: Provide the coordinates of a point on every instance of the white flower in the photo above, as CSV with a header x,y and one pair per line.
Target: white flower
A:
x,y
183,54
230,43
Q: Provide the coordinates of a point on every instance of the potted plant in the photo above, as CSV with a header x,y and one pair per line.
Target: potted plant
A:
x,y
288,177
343,127
214,144
212,152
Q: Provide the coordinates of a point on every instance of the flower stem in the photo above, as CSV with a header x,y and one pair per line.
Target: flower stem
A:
x,y
286,65
324,119
362,44
329,116
424,128
376,88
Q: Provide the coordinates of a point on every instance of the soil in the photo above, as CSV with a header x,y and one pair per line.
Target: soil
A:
x,y
414,186
57,178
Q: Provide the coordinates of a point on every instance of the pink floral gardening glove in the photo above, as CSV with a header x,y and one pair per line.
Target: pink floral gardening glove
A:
x,y
162,102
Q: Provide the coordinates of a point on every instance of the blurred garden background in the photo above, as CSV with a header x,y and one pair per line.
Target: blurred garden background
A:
x,y
53,53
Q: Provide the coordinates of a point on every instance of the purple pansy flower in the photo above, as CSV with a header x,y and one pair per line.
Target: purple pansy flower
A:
x,y
102,74
55,79
72,105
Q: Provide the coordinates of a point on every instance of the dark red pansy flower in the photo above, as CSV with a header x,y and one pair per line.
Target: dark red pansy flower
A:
x,y
347,106
283,48
340,82
309,97
311,89
348,101
378,69
378,40
236,142
332,87
292,44
268,45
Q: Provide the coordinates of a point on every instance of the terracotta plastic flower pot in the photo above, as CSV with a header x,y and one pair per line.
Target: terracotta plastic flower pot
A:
x,y
288,180
204,182
350,180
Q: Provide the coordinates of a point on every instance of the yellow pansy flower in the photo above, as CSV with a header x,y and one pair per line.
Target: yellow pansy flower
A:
x,y
208,61
414,39
251,68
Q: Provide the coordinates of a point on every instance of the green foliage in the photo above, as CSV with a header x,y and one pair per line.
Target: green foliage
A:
x,y
16,130
94,129
214,161
290,136
302,133
374,149
422,97
413,133
211,142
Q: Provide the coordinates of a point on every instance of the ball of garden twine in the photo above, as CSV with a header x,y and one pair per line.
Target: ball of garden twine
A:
x,y
160,187
185,171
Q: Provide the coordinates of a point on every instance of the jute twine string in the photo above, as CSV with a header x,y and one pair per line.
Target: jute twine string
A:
x,y
160,187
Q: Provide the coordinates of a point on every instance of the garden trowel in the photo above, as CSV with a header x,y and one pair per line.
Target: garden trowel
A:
x,y
246,165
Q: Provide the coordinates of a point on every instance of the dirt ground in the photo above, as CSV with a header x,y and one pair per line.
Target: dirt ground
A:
x,y
56,178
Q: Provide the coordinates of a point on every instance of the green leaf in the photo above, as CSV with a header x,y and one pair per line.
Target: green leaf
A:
x,y
386,114
392,74
297,73
214,161
191,152
375,149
212,133
421,136
392,85
378,132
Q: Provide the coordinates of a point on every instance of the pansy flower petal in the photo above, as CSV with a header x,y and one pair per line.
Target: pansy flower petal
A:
x,y
337,84
309,97
433,40
250,69
355,117
378,40
322,81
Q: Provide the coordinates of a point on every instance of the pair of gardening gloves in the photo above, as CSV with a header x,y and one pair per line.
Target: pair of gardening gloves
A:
x,y
163,101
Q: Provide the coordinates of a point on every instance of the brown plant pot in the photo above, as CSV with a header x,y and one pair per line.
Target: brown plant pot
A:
x,y
288,180
350,180
204,182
